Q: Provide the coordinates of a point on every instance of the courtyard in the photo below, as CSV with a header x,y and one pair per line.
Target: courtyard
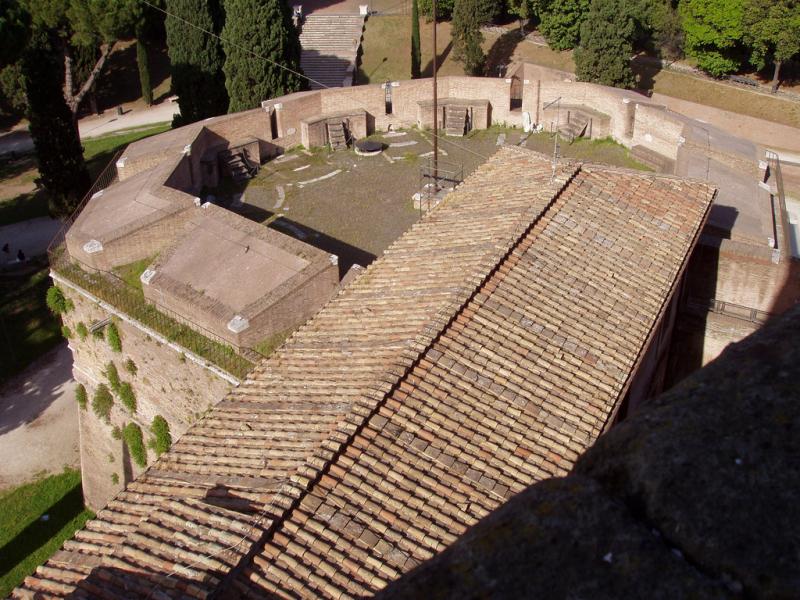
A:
x,y
356,206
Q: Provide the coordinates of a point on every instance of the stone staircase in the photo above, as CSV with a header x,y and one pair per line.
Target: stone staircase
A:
x,y
455,121
575,127
330,49
239,167
337,137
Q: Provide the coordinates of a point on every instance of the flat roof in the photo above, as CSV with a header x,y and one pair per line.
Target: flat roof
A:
x,y
233,264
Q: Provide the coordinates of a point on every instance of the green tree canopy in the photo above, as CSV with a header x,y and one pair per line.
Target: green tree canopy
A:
x,y
262,28
58,148
14,26
606,45
468,16
444,9
85,27
196,58
772,31
714,31
561,22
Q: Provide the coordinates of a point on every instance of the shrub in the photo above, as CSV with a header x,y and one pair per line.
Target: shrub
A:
x,y
127,397
57,302
130,367
113,377
80,396
114,478
102,402
81,330
113,338
116,433
132,434
65,331
163,440
98,334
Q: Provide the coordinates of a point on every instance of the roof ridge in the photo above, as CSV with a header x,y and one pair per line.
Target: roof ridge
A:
x,y
289,495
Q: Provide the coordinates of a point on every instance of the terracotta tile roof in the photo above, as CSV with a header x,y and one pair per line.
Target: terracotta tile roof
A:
x,y
484,351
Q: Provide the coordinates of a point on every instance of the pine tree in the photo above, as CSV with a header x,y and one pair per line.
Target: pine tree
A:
x,y
263,28
606,45
58,147
416,57
468,17
196,58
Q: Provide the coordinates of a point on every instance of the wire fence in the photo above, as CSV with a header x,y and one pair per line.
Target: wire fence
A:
x,y
112,289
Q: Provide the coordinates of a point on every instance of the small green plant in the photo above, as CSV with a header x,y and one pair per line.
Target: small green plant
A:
x,y
102,402
110,457
81,330
162,440
182,357
65,331
127,397
113,377
113,338
98,334
116,433
130,367
80,396
114,478
57,302
132,434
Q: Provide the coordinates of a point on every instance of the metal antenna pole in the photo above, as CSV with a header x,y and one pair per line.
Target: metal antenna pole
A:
x,y
435,111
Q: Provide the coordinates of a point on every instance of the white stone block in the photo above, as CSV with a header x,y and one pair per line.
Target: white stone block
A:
x,y
92,247
238,324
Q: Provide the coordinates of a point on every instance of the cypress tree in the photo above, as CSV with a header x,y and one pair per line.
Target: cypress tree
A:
x,y
468,17
144,71
58,147
416,57
264,27
606,45
197,59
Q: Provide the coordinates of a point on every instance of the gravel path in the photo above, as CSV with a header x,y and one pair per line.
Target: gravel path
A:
x,y
39,420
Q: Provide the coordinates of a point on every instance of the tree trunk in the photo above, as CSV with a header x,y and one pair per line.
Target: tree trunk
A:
x,y
776,81
74,100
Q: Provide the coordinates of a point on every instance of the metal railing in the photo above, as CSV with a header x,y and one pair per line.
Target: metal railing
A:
x,y
702,306
110,288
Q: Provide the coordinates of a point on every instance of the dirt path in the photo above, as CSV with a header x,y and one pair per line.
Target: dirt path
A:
x,y
39,420
31,236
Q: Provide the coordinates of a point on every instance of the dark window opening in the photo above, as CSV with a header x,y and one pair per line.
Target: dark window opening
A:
x,y
273,123
388,97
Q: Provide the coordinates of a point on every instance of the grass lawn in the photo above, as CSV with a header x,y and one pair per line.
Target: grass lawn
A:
x,y
387,54
27,328
27,541
131,272
98,151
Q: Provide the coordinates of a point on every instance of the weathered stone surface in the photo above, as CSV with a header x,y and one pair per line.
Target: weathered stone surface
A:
x,y
562,538
695,496
714,464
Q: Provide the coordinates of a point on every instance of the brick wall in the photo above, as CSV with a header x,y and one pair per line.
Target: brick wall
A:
x,y
657,130
167,383
294,308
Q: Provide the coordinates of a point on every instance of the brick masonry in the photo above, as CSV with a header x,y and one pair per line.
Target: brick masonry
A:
x,y
166,383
